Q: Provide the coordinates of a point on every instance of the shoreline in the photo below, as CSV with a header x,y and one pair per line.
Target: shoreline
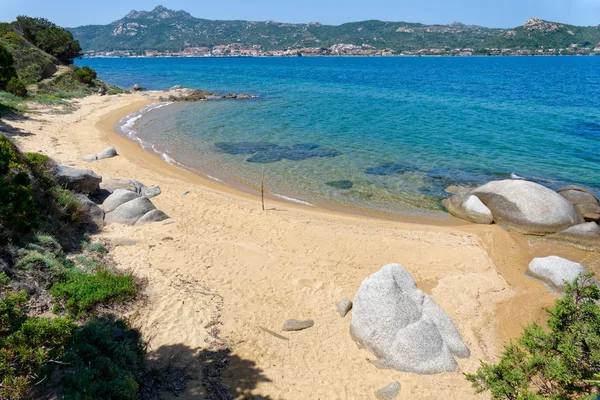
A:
x,y
114,118
223,263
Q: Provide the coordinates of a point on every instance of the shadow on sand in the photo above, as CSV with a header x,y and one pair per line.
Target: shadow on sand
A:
x,y
201,374
8,114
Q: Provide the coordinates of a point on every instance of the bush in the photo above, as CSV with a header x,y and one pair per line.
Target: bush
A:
x,y
7,70
12,38
16,87
560,364
106,362
82,292
85,75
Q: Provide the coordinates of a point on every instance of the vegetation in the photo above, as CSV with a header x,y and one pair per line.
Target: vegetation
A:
x,y
168,30
50,38
16,87
7,70
85,75
562,363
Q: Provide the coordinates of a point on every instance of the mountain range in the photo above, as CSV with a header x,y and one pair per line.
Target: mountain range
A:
x,y
166,30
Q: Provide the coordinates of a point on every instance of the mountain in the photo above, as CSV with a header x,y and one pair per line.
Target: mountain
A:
x,y
168,30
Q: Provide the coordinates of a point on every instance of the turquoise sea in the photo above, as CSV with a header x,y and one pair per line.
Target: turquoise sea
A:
x,y
385,134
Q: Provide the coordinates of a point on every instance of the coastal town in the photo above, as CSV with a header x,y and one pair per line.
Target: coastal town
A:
x,y
340,49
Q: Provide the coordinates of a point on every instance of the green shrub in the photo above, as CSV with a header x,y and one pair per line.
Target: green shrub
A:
x,y
85,75
562,363
106,362
12,38
16,87
47,36
7,70
82,292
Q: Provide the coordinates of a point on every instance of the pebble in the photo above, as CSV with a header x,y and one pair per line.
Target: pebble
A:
x,y
343,307
295,325
389,392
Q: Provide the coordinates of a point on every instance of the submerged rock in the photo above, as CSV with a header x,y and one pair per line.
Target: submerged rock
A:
x,y
344,184
387,169
296,325
78,180
265,152
403,326
554,271
469,207
527,207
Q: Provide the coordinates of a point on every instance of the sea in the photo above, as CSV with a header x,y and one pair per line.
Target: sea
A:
x,y
393,135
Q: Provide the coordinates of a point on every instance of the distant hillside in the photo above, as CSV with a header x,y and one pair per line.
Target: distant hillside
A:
x,y
168,31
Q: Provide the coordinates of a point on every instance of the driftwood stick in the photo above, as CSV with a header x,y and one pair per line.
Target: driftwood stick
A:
x,y
262,189
270,332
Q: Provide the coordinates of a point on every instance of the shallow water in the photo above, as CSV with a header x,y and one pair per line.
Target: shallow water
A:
x,y
386,134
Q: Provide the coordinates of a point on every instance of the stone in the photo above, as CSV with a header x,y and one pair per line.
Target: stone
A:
x,y
403,326
152,216
96,214
123,242
344,307
185,193
585,236
468,207
579,197
130,212
107,153
553,272
102,91
90,158
576,188
527,207
296,325
590,212
117,198
77,180
389,392
152,192
112,184
137,88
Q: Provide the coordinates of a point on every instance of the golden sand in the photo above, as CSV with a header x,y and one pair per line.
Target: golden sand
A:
x,y
225,273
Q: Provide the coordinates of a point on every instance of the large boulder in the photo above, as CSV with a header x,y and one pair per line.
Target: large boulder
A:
x,y
117,198
578,195
403,326
130,212
585,236
468,207
527,207
554,272
78,180
95,213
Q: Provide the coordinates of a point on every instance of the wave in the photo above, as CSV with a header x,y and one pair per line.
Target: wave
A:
x,y
292,199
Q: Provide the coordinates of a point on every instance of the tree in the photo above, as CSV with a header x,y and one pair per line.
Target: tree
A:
x,y
47,36
7,71
561,364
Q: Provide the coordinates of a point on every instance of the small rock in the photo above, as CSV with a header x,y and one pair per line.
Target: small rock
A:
x,y
137,88
389,392
554,271
152,192
296,325
185,193
123,242
102,91
107,153
90,158
152,216
343,307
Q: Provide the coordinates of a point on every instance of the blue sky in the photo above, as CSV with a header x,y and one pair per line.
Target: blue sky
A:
x,y
492,13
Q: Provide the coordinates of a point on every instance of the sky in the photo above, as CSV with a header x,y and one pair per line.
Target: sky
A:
x,y
491,13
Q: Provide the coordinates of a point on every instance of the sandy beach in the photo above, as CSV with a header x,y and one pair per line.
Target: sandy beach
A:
x,y
227,275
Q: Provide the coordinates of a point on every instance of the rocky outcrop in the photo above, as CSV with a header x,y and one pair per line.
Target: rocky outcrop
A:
x,y
181,93
403,326
469,207
130,212
118,198
527,207
585,236
554,271
77,180
535,24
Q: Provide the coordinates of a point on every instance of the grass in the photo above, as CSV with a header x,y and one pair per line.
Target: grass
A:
x,y
82,292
